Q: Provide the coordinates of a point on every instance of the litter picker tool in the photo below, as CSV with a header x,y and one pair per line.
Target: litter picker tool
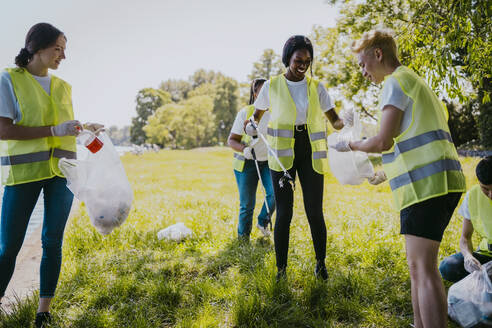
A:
x,y
269,214
286,178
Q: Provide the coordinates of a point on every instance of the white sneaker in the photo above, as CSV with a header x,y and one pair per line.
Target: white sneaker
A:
x,y
264,230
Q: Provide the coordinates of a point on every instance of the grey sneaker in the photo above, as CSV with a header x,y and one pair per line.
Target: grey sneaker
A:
x,y
264,230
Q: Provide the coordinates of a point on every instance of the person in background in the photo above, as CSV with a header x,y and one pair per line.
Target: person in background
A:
x,y
37,128
476,208
421,163
247,149
297,134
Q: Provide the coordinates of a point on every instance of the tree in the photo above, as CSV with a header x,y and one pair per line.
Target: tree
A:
x,y
148,100
198,124
162,125
119,137
463,122
225,105
202,76
178,89
269,64
204,89
185,125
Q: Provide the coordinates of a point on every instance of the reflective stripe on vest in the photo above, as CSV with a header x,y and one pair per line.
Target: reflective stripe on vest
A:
x,y
239,156
480,208
423,162
280,133
281,137
317,136
284,152
424,172
320,154
415,142
37,159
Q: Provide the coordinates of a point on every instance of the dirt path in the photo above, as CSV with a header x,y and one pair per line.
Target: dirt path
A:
x,y
26,275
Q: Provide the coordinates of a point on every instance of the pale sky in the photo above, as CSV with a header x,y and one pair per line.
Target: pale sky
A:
x,y
117,47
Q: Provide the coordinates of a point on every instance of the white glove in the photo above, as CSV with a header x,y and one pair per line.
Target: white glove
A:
x,y
67,128
250,130
472,264
341,146
347,116
247,153
377,178
96,128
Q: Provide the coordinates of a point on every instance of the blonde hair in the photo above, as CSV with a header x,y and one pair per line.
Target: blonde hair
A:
x,y
379,38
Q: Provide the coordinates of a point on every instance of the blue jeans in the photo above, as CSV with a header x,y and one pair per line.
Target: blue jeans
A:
x,y
18,204
247,182
452,268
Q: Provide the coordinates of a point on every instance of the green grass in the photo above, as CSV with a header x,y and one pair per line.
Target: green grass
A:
x,y
131,279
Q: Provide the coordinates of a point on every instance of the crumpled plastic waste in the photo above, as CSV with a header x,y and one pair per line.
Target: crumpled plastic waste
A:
x,y
175,232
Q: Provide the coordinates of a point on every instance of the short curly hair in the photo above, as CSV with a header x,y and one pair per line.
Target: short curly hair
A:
x,y
484,170
379,38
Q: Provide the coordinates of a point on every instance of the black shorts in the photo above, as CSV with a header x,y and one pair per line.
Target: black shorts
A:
x,y
429,219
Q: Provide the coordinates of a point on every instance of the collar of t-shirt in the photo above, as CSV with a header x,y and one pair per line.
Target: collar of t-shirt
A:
x,y
292,83
44,81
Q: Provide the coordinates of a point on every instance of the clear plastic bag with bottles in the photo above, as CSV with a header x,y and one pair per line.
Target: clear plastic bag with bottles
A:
x,y
350,167
470,299
100,182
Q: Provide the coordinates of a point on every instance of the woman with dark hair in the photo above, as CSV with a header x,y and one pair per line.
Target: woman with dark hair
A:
x,y
37,128
297,133
247,150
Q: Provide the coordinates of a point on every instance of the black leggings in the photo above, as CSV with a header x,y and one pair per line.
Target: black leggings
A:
x,y
312,191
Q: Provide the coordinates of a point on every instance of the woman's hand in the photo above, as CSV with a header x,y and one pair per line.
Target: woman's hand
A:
x,y
471,263
67,128
96,128
383,141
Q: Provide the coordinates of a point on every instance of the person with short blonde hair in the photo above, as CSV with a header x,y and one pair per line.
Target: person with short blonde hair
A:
x,y
421,163
381,39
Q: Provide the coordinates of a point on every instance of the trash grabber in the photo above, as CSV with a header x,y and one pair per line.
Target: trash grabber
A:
x,y
269,214
286,177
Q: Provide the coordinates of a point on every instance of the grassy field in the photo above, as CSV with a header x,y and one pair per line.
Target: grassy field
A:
x,y
131,279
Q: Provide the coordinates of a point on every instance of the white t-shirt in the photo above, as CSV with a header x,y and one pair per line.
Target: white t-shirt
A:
x,y
298,91
9,105
464,211
259,146
45,82
393,95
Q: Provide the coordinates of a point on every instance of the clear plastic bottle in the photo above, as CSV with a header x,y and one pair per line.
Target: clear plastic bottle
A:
x,y
90,141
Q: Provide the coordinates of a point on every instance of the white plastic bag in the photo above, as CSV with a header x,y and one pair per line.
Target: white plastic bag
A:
x,y
176,232
470,299
100,181
350,167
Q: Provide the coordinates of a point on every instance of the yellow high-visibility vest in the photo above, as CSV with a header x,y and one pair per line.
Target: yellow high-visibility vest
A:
x,y
282,123
480,207
238,161
37,159
423,162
